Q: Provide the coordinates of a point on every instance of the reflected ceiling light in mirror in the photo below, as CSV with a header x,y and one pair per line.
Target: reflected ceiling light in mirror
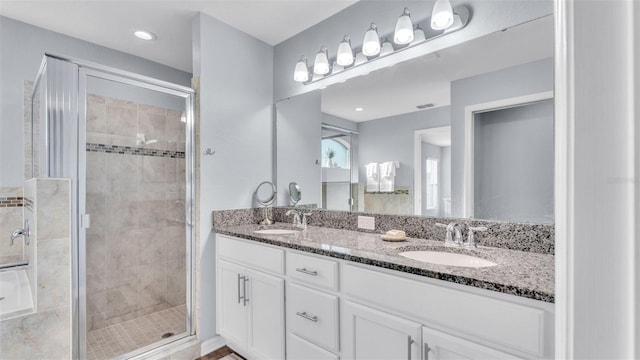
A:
x,y
345,52
301,73
371,42
359,109
144,34
387,47
321,64
418,35
404,29
442,15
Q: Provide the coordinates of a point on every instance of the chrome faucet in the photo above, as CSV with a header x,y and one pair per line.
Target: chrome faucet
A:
x,y
26,232
296,216
299,217
454,234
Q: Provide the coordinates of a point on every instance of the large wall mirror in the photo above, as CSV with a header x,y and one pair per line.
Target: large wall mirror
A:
x,y
463,132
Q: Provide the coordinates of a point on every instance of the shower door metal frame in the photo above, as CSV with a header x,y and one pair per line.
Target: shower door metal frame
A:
x,y
79,304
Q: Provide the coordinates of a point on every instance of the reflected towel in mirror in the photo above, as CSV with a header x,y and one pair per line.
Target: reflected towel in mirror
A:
x,y
373,178
388,176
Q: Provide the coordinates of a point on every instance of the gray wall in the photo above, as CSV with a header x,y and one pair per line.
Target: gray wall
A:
x,y
487,17
22,47
298,148
391,139
530,78
513,164
434,152
236,96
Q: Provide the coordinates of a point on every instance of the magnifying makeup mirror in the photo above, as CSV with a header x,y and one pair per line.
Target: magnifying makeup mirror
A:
x,y
295,194
265,195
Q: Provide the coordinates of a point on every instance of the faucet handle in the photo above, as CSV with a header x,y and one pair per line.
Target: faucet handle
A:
x,y
471,240
441,225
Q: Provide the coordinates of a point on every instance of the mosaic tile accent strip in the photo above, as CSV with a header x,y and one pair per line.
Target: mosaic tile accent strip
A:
x,y
28,203
11,201
130,150
396,192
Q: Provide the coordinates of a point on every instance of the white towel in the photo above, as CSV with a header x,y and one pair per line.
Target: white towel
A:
x,y
388,176
373,177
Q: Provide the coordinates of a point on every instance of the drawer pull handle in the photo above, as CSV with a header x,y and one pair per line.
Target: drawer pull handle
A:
x,y
245,300
240,278
409,344
307,316
308,272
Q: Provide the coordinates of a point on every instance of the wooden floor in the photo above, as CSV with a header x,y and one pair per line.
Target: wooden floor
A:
x,y
218,354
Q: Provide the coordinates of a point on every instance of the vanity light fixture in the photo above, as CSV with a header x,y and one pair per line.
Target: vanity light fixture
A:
x,y
301,73
442,15
321,64
371,42
418,35
405,36
345,52
144,34
387,47
404,29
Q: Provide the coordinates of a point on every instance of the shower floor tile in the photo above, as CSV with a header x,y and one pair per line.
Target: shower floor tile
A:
x,y
119,339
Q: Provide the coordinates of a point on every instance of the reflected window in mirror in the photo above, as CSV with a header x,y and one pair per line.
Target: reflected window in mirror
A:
x,y
432,183
336,153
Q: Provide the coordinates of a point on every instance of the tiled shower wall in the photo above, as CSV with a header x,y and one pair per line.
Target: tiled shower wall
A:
x,y
10,218
136,196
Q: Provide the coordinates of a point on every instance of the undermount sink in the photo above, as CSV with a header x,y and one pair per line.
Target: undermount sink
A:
x,y
448,259
276,231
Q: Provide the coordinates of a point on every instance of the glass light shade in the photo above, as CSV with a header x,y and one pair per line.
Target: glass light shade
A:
x,y
361,59
418,35
404,29
387,48
321,64
442,15
301,73
457,24
371,42
345,53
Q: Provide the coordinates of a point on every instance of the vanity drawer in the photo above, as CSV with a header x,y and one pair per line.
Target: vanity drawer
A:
x,y
313,315
313,271
254,255
299,349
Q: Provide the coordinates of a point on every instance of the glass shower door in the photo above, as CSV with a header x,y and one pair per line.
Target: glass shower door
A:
x,y
135,207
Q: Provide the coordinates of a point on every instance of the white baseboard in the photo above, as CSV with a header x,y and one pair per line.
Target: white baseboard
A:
x,y
212,345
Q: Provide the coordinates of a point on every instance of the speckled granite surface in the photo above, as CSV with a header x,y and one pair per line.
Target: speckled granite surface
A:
x,y
523,237
519,273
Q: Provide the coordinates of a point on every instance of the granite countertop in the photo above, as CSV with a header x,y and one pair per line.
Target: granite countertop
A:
x,y
519,273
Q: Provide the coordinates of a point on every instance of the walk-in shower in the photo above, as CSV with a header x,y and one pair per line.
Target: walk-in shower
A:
x,y
126,141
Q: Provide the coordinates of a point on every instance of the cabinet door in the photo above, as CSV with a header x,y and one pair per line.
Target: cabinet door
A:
x,y
231,309
265,296
370,334
440,346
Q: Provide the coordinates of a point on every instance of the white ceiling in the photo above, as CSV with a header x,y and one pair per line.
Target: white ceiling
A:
x,y
110,23
399,89
440,136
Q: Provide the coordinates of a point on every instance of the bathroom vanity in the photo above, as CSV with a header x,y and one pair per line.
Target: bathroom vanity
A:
x,y
324,293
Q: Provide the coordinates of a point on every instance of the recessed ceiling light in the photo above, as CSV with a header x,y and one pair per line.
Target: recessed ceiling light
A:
x,y
359,109
145,35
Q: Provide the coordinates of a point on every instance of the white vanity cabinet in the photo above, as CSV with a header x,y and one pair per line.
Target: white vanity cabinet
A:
x,y
372,334
337,309
250,306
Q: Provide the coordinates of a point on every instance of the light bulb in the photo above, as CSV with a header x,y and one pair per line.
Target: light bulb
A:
x,y
301,73
387,48
442,15
404,29
321,64
371,42
345,53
